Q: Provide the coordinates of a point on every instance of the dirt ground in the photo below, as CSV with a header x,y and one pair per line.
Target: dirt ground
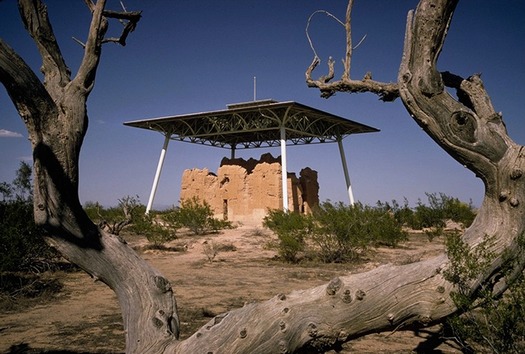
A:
x,y
85,318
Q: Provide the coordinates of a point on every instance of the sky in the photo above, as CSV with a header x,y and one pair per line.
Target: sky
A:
x,y
193,56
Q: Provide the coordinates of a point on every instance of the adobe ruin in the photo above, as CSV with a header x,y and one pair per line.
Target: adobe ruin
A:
x,y
244,190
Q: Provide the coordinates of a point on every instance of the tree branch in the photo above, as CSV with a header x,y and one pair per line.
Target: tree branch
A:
x,y
386,91
348,29
460,127
132,19
98,28
322,318
93,47
36,21
23,86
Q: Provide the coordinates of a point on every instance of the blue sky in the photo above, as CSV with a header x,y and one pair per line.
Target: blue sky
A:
x,y
193,56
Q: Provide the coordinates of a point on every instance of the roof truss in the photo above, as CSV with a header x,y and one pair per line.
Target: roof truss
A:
x,y
255,124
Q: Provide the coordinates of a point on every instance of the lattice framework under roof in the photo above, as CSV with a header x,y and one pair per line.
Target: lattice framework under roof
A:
x,y
255,124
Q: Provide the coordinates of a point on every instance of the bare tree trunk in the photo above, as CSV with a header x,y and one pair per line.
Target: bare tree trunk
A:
x,y
56,118
387,298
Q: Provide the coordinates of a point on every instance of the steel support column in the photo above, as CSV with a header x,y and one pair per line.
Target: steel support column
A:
x,y
157,173
345,170
284,169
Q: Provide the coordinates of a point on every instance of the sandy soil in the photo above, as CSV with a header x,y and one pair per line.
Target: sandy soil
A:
x,y
85,317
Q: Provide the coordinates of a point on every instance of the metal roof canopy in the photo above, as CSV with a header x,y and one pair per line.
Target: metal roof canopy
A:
x,y
256,124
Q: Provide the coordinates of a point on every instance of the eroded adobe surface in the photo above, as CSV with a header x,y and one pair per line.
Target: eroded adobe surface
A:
x,y
243,190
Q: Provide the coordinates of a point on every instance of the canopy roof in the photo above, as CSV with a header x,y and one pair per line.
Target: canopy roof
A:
x,y
255,124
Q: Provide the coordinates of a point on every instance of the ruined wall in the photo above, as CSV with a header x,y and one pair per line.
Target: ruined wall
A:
x,y
243,190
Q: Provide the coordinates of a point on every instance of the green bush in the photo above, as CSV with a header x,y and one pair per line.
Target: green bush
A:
x,y
439,209
432,215
115,219
334,233
485,323
22,247
292,230
152,226
131,215
344,232
340,234
195,215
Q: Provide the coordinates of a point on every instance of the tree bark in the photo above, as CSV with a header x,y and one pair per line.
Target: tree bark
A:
x,y
387,298
55,115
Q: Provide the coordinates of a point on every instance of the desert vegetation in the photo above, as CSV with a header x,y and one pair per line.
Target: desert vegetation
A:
x,y
487,324
336,232
24,255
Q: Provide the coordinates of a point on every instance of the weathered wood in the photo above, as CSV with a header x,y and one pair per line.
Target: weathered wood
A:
x,y
55,115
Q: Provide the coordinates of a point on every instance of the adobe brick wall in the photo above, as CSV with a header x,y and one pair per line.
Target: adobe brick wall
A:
x,y
243,190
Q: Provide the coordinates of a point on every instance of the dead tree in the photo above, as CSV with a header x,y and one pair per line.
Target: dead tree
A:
x,y
387,298
55,115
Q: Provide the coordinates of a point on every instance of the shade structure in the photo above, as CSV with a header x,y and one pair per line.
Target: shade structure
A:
x,y
256,124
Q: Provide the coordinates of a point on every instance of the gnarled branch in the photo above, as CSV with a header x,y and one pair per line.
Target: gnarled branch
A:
x,y
130,23
386,91
36,22
23,86
97,31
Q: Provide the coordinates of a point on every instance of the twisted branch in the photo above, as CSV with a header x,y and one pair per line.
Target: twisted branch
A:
x,y
385,91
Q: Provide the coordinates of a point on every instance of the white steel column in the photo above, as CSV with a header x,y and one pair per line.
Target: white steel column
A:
x,y
157,174
284,169
345,170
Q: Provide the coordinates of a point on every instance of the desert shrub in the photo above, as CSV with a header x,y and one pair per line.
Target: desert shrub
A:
x,y
211,249
197,216
21,289
403,214
154,228
485,323
458,211
130,214
343,232
439,209
334,233
114,219
340,235
22,247
292,230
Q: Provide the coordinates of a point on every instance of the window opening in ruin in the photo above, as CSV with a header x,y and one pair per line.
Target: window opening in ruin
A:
x,y
225,209
224,181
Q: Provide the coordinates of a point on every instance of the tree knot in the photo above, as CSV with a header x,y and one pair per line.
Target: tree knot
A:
x,y
162,284
346,297
312,329
516,174
282,326
334,286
